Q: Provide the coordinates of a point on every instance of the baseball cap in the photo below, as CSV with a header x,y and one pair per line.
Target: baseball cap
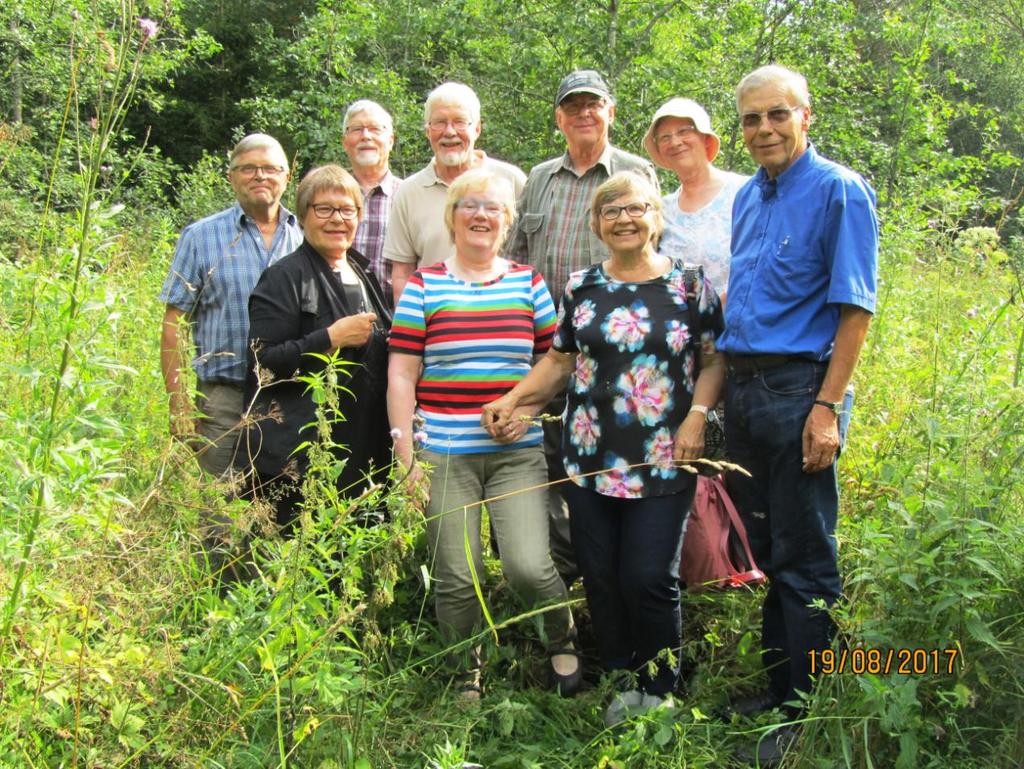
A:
x,y
583,81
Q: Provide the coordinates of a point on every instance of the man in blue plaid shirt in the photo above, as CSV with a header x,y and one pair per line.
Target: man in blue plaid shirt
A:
x,y
216,265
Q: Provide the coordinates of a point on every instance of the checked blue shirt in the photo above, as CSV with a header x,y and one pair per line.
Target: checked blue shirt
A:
x,y
216,265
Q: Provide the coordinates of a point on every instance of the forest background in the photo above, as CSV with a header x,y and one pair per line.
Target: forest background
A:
x,y
117,650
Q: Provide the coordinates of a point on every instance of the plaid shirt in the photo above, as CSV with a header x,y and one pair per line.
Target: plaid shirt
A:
x,y
553,231
216,265
369,239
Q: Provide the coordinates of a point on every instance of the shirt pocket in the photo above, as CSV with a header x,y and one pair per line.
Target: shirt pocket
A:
x,y
533,226
793,271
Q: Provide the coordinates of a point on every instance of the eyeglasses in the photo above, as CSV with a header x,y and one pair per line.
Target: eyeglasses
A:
x,y
680,133
324,211
438,124
249,171
490,207
373,130
577,108
633,210
776,116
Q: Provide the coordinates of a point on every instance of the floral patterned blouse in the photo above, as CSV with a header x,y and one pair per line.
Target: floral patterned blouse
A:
x,y
634,378
703,237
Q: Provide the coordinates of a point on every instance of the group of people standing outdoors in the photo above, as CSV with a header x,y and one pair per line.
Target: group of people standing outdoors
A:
x,y
473,305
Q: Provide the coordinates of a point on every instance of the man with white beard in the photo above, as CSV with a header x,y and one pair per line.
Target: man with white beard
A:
x,y
416,230
368,137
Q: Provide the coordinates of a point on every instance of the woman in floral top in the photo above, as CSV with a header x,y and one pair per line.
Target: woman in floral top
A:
x,y
634,413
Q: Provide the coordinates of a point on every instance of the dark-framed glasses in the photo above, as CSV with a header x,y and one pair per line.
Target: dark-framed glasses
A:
x,y
576,108
324,211
680,133
776,116
633,211
249,171
472,205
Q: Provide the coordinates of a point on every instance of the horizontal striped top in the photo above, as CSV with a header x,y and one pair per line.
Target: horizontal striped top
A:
x,y
477,341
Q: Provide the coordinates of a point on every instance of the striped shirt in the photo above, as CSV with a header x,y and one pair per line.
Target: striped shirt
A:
x,y
477,341
369,238
216,265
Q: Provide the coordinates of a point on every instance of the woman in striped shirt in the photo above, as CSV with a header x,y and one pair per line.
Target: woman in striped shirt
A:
x,y
466,330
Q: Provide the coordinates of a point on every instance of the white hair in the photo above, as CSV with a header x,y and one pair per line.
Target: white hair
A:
x,y
455,95
790,81
258,142
371,107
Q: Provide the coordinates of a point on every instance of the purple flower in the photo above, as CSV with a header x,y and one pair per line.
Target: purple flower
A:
x,y
396,434
419,437
93,123
149,28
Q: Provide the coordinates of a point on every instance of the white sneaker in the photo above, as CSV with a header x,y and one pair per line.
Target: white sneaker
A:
x,y
622,706
649,702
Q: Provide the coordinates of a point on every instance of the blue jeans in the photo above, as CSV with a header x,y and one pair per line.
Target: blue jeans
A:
x,y
628,554
790,515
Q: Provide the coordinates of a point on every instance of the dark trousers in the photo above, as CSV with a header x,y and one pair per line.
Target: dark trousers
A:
x,y
628,554
790,515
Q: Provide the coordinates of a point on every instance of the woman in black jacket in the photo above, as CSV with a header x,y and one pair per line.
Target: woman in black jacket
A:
x,y
317,300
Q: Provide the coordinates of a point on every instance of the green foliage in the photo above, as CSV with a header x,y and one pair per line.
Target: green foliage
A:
x,y
116,646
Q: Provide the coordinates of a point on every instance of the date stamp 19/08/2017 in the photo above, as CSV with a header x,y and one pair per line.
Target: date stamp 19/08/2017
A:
x,y
902,661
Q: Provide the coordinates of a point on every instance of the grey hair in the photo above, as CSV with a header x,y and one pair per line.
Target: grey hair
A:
x,y
453,94
257,142
789,80
366,105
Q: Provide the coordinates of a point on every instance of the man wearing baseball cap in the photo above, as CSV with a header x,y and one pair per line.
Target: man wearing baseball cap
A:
x,y
553,234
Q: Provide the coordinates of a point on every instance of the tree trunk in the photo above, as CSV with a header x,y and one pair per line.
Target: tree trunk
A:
x,y
15,76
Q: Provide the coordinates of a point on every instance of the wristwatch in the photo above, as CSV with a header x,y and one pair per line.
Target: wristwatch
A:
x,y
836,407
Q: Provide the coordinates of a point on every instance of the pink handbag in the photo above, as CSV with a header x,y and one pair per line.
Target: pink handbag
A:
x,y
716,552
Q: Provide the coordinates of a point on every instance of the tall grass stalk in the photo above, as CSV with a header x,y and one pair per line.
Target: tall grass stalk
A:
x,y
112,109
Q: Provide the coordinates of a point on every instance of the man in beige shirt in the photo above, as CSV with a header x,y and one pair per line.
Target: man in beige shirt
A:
x,y
416,230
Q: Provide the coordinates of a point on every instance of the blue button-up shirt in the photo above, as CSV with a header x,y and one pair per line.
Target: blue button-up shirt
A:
x,y
216,265
802,244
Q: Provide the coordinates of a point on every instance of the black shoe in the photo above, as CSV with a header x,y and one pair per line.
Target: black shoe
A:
x,y
771,748
569,684
748,707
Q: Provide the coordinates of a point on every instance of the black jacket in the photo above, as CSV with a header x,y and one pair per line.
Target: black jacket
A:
x,y
294,302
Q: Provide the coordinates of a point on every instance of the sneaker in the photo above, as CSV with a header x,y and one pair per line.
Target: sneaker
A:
x,y
649,702
622,707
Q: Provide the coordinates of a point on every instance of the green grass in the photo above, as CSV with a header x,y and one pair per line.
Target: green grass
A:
x,y
121,651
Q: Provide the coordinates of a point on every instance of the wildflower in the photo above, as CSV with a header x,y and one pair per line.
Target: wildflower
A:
x,y
75,15
396,434
972,313
419,437
94,124
149,28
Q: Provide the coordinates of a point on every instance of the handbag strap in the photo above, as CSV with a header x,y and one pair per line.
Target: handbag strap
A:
x,y
734,516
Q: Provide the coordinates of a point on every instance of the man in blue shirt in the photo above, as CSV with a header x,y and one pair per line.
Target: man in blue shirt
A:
x,y
216,265
801,295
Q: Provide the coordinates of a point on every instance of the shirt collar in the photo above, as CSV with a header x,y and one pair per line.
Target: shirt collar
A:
x,y
605,160
785,181
239,217
386,185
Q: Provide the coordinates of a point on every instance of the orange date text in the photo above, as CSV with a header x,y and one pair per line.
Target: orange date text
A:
x,y
865,660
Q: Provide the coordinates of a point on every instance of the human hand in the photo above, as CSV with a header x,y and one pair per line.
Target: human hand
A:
x,y
689,441
183,425
820,439
416,486
352,330
496,417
